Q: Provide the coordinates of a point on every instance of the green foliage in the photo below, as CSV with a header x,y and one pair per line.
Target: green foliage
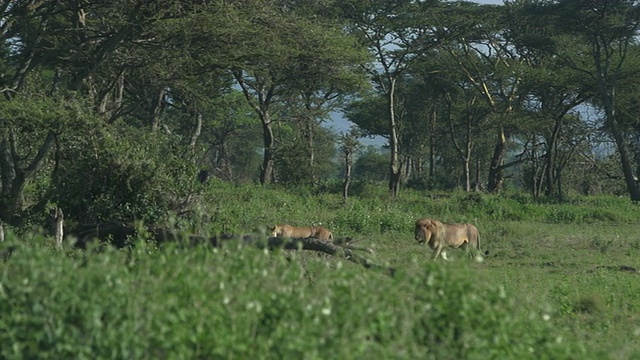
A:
x,y
371,165
121,175
225,207
545,290
245,303
293,160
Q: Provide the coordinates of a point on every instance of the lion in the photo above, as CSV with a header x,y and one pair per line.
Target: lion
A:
x,y
438,236
301,232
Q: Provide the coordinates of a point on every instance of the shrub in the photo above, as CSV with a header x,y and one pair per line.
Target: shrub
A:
x,y
236,302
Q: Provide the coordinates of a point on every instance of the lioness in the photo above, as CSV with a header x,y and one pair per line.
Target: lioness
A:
x,y
439,236
301,232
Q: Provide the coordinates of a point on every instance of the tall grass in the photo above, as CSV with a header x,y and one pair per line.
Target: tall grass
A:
x,y
230,208
559,283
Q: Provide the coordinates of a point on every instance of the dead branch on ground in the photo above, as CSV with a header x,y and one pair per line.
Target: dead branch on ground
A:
x,y
120,235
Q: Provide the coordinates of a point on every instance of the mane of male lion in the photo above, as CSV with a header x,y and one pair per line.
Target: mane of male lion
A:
x,y
439,236
289,231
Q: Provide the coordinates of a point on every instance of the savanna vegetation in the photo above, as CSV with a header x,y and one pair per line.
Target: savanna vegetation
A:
x,y
208,118
560,282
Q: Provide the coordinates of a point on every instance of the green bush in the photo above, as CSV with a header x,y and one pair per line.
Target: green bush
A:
x,y
115,175
236,302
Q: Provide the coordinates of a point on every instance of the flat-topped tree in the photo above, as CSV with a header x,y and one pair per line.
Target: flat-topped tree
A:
x,y
302,61
607,31
395,33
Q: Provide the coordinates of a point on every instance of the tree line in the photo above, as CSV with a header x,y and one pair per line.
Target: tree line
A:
x,y
114,110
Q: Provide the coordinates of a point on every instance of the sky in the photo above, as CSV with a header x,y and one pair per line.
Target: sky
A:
x,y
339,124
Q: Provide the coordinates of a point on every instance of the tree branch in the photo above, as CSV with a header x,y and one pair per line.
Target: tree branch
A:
x,y
120,235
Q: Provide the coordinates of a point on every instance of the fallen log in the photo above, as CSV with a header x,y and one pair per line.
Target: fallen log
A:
x,y
121,235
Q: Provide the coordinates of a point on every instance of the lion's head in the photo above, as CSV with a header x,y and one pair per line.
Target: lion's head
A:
x,y
425,230
275,230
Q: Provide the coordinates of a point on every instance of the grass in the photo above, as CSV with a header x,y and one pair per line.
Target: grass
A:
x,y
553,286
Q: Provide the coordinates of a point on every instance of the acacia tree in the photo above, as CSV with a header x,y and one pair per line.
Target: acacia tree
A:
x,y
608,29
300,56
323,91
465,117
92,64
554,95
349,144
27,135
477,45
395,33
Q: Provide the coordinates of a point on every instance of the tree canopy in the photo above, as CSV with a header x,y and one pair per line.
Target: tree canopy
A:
x,y
126,110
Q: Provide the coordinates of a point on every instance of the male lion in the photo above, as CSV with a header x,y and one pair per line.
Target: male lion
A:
x,y
300,232
438,236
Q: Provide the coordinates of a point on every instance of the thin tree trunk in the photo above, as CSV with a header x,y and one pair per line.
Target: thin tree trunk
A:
x,y
119,93
57,217
465,153
477,186
348,165
550,180
196,133
156,110
224,163
625,160
266,171
467,158
394,162
312,151
496,176
432,142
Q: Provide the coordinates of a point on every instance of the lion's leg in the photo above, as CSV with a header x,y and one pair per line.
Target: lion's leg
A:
x,y
468,249
436,252
475,251
444,255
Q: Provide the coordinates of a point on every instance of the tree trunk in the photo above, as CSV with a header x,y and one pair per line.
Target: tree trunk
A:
x,y
348,165
156,110
559,186
223,162
467,158
467,175
625,160
312,151
478,185
57,218
394,162
261,107
464,152
195,135
608,95
266,171
118,95
550,180
15,176
432,156
496,177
